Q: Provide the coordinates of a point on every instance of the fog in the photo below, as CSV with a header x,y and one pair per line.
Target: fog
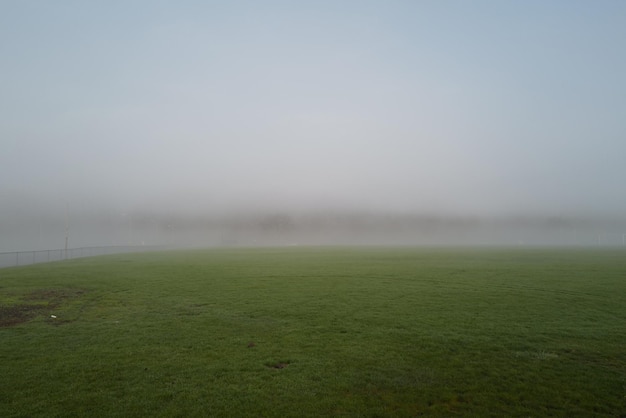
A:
x,y
86,227
308,123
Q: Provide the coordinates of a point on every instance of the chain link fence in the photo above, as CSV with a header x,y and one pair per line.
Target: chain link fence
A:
x,y
22,258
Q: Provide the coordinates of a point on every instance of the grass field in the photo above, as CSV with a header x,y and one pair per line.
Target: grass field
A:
x,y
317,332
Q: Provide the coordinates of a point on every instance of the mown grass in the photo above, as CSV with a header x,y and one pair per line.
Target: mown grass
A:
x,y
318,332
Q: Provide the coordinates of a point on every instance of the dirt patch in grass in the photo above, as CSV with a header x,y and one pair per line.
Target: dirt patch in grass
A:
x,y
53,296
279,365
17,314
36,303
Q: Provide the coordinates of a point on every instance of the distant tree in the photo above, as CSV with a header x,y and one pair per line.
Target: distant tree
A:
x,y
277,223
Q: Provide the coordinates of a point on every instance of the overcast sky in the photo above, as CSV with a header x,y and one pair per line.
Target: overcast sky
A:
x,y
466,107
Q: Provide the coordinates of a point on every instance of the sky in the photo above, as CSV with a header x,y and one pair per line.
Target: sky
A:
x,y
483,108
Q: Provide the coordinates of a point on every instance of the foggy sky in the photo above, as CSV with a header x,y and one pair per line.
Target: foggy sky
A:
x,y
481,108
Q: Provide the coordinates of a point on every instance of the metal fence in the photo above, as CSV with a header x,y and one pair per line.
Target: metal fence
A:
x,y
22,258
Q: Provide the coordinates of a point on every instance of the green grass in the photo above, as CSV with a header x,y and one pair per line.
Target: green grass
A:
x,y
317,332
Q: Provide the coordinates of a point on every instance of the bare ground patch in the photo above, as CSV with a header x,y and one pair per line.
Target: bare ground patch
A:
x,y
53,296
278,365
17,314
35,303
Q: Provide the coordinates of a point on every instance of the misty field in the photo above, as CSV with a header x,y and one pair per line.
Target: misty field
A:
x,y
317,332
